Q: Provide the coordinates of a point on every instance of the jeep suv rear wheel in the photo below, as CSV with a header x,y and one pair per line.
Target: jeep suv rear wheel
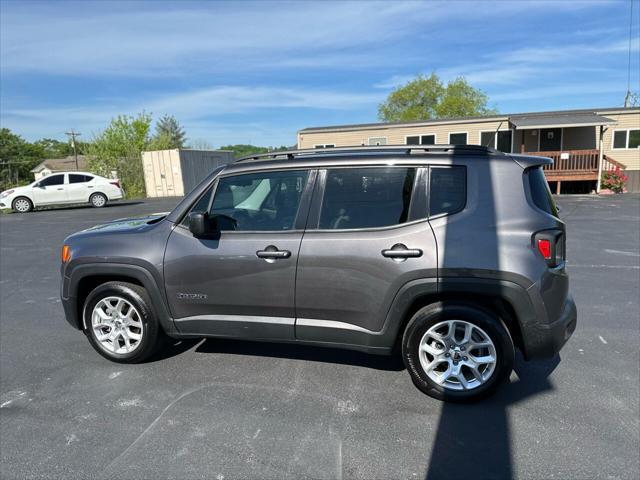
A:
x,y
120,322
457,352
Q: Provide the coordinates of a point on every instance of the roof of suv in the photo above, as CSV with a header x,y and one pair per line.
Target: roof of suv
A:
x,y
360,155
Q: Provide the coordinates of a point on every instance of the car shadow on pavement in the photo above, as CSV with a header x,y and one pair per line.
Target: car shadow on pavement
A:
x,y
83,206
301,352
473,440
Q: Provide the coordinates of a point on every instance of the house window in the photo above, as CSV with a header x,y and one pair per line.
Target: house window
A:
x,y
500,141
421,140
325,145
458,138
377,140
626,139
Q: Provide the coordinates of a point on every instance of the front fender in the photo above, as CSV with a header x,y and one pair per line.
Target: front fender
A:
x,y
73,278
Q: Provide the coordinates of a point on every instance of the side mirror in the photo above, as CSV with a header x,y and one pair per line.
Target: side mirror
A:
x,y
198,224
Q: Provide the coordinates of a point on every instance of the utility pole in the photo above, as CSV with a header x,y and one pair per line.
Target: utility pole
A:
x,y
73,134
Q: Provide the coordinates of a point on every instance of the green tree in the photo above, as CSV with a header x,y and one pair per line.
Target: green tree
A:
x,y
119,148
425,98
241,150
169,133
17,158
56,149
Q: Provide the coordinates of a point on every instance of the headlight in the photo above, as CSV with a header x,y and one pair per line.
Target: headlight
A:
x,y
6,194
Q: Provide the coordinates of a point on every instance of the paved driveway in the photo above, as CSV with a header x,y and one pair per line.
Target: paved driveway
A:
x,y
227,409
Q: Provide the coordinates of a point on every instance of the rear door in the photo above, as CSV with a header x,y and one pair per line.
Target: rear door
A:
x,y
241,282
51,190
78,187
367,236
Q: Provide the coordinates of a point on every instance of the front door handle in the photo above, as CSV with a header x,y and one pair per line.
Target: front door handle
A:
x,y
400,252
61,189
272,252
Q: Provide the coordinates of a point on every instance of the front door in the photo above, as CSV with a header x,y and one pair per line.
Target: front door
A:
x,y
241,281
550,139
50,190
369,238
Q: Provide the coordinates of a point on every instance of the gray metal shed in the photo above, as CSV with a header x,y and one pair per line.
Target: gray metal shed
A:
x,y
173,173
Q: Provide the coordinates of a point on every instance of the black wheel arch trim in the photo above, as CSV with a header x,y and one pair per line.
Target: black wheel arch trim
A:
x,y
530,314
73,278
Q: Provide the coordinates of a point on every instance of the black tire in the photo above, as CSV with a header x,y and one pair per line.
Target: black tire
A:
x,y
98,200
429,316
22,199
152,334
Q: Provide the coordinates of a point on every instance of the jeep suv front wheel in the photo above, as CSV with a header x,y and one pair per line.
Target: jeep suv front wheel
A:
x,y
457,352
120,323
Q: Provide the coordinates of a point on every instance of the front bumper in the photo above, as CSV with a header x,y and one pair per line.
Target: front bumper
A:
x,y
69,303
546,340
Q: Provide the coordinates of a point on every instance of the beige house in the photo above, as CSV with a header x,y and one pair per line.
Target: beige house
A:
x,y
581,142
52,165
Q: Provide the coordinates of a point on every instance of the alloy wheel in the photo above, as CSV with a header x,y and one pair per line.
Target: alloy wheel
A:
x,y
457,355
117,325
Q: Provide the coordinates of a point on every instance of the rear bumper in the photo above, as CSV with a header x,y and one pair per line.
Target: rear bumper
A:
x,y
546,340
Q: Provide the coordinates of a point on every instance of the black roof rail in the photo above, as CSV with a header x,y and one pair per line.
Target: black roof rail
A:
x,y
404,149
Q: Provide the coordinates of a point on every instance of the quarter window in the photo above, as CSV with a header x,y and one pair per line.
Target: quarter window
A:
x,y
259,201
51,180
448,190
366,197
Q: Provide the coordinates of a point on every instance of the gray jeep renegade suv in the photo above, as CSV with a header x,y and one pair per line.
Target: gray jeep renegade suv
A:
x,y
453,254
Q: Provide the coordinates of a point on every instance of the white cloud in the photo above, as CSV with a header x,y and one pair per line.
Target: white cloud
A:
x,y
191,108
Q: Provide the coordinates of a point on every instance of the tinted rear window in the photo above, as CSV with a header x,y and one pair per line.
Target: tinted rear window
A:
x,y
448,190
540,193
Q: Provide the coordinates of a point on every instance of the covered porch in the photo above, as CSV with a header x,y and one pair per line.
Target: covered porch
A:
x,y
573,141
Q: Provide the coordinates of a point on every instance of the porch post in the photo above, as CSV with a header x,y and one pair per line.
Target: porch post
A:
x,y
522,141
600,156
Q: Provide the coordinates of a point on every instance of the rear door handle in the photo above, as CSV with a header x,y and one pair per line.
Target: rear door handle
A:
x,y
400,252
272,252
61,188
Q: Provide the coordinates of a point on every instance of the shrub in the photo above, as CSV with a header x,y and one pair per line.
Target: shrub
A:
x,y
614,180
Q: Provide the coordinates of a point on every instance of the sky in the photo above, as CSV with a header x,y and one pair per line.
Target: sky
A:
x,y
257,72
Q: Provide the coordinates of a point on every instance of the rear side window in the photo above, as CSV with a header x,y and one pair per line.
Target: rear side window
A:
x,y
540,193
448,190
77,178
366,197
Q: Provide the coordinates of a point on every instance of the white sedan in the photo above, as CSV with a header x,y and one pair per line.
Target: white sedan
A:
x,y
62,188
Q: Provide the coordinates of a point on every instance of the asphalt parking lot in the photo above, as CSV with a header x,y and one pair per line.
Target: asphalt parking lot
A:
x,y
228,409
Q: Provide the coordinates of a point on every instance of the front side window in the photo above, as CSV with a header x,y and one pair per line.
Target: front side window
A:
x,y
366,197
52,180
448,190
265,201
458,138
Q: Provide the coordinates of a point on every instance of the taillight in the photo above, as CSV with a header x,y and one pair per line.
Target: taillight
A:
x,y
116,183
544,247
550,244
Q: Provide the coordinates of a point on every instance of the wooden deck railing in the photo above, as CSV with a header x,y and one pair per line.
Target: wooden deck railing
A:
x,y
573,161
